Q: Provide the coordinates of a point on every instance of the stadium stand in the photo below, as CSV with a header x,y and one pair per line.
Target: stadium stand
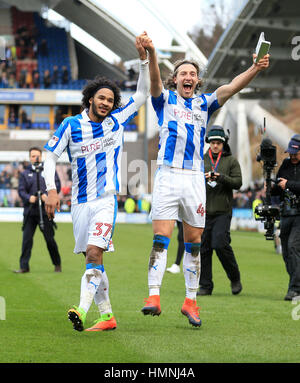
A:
x,y
35,51
36,48
39,56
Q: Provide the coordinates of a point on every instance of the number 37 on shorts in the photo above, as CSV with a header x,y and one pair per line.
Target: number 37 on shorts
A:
x,y
103,229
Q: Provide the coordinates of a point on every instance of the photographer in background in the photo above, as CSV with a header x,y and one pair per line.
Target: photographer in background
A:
x,y
223,174
288,188
30,181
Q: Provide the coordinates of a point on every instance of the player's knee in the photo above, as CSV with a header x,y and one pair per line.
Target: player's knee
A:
x,y
193,235
160,242
94,254
192,248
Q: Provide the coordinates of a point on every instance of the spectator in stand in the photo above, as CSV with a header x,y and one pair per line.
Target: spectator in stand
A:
x,y
34,45
22,78
55,75
5,180
47,79
1,180
17,39
36,79
21,29
27,38
12,67
249,198
2,67
12,119
239,200
13,52
65,75
121,202
23,51
14,180
28,80
58,117
44,48
24,120
234,200
8,54
4,80
12,82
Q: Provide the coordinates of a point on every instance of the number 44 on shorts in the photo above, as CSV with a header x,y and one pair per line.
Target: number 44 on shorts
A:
x,y
201,210
102,229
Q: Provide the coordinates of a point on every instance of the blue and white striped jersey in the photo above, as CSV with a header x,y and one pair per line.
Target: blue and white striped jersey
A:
x,y
182,125
94,150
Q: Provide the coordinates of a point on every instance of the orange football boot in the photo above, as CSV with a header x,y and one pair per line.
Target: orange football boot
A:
x,y
191,311
152,305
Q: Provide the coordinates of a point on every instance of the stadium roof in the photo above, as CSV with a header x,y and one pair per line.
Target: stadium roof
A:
x,y
100,24
280,22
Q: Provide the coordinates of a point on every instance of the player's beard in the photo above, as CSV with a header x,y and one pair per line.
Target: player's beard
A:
x,y
96,114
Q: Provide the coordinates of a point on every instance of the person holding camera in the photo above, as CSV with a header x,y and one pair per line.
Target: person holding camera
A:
x,y
31,188
222,174
288,188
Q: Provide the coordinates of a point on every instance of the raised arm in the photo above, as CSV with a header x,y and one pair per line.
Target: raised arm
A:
x,y
224,92
156,85
143,84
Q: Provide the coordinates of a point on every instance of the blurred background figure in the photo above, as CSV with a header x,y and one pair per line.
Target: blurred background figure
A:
x,y
30,180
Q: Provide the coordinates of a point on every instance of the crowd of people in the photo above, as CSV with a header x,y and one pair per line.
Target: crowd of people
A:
x,y
25,47
28,77
9,181
9,176
25,50
244,199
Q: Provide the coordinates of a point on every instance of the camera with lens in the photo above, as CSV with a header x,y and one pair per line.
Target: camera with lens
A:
x,y
290,204
267,213
267,154
38,166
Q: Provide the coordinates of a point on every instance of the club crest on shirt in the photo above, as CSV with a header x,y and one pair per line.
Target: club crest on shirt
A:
x,y
109,122
52,142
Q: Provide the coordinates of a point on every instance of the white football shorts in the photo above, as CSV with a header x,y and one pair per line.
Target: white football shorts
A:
x,y
94,222
179,194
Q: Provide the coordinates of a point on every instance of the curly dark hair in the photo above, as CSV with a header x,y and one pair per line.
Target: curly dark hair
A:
x,y
94,85
170,84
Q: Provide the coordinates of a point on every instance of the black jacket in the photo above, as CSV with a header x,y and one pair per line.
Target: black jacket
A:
x,y
219,199
291,173
28,187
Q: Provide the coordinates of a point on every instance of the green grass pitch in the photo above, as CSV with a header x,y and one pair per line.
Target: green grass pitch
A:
x,y
255,326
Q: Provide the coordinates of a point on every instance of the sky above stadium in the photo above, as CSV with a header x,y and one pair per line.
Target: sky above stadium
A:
x,y
138,16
